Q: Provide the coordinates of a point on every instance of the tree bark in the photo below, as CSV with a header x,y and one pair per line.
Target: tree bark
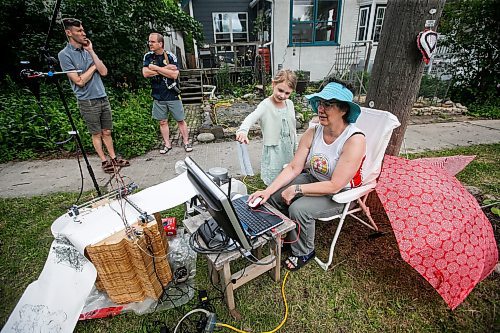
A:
x,y
397,70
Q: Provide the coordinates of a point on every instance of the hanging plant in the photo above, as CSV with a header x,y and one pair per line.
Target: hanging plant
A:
x,y
181,21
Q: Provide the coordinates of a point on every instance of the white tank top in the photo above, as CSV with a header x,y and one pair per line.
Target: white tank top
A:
x,y
323,158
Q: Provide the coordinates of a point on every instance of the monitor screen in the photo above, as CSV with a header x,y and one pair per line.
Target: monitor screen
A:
x,y
217,204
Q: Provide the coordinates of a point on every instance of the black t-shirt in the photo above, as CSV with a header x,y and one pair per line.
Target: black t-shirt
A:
x,y
160,83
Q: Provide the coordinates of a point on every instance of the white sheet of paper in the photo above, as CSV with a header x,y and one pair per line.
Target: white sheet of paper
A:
x,y
53,303
165,195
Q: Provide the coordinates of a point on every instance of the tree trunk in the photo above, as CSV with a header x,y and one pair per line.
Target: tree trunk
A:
x,y
397,70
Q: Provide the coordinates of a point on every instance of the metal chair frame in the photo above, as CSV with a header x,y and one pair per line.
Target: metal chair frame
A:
x,y
377,126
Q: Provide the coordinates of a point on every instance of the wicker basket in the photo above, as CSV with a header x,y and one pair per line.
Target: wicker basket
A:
x,y
126,269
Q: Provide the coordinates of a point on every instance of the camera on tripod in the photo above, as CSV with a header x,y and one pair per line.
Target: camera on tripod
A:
x,y
26,70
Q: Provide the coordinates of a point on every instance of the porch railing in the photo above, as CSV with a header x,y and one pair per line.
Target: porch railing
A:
x,y
231,54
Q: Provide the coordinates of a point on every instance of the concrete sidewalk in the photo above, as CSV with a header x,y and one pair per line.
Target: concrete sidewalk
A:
x,y
32,178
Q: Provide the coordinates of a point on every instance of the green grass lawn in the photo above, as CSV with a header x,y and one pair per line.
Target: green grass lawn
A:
x,y
370,288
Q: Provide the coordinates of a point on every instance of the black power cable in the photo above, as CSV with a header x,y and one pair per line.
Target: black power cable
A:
x,y
81,178
165,296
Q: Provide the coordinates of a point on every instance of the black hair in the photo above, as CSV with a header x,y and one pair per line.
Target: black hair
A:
x,y
343,106
330,79
71,22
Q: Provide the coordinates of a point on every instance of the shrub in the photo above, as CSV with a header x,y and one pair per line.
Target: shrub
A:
x,y
135,131
29,129
489,109
471,30
223,79
300,108
246,77
431,86
268,89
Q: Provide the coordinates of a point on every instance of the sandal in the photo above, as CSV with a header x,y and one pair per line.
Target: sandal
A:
x,y
107,167
120,162
294,263
188,147
164,149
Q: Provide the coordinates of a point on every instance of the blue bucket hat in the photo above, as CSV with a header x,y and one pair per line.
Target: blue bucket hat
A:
x,y
334,90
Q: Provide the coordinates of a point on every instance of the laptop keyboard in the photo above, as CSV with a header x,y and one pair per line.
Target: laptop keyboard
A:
x,y
254,224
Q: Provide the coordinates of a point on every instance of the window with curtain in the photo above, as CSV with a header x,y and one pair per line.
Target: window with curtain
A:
x,y
314,22
230,28
379,21
363,19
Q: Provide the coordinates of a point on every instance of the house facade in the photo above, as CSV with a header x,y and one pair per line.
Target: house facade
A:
x,y
225,23
320,36
326,36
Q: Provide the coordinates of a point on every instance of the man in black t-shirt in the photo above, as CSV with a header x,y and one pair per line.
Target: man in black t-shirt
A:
x,y
160,67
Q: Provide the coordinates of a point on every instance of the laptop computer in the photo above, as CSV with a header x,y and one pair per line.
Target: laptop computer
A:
x,y
255,221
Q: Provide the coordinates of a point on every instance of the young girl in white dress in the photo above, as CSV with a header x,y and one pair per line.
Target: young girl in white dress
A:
x,y
276,115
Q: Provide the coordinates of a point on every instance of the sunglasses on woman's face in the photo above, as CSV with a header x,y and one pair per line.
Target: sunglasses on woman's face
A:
x,y
324,104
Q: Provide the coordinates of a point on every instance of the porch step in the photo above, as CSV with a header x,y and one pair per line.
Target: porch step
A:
x,y
191,87
191,94
192,100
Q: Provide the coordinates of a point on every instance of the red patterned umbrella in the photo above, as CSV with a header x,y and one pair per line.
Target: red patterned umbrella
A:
x,y
440,228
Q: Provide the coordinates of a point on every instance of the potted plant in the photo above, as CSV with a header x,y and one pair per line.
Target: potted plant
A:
x,y
302,80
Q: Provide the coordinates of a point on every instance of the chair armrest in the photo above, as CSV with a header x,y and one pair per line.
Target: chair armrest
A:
x,y
353,194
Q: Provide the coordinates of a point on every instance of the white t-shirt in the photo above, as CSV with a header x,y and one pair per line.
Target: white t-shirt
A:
x,y
323,157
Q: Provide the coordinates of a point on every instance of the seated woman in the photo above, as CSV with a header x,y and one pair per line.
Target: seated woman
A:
x,y
328,160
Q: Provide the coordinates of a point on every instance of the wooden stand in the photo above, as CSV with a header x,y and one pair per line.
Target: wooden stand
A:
x,y
220,265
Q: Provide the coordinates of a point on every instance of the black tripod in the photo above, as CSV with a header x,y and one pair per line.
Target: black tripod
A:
x,y
32,78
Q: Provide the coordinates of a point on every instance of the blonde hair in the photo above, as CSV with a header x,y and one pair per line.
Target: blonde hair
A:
x,y
287,76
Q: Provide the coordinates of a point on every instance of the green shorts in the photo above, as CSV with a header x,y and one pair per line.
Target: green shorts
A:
x,y
161,109
96,113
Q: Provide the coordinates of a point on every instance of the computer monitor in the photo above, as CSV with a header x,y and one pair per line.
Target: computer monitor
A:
x,y
217,204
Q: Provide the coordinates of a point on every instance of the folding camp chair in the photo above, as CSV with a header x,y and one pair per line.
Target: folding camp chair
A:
x,y
377,126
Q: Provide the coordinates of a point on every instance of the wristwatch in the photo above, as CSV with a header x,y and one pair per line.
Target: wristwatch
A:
x,y
298,190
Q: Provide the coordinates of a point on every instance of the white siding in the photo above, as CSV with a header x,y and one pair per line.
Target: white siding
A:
x,y
316,59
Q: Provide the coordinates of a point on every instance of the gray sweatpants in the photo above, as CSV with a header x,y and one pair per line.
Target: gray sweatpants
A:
x,y
305,210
